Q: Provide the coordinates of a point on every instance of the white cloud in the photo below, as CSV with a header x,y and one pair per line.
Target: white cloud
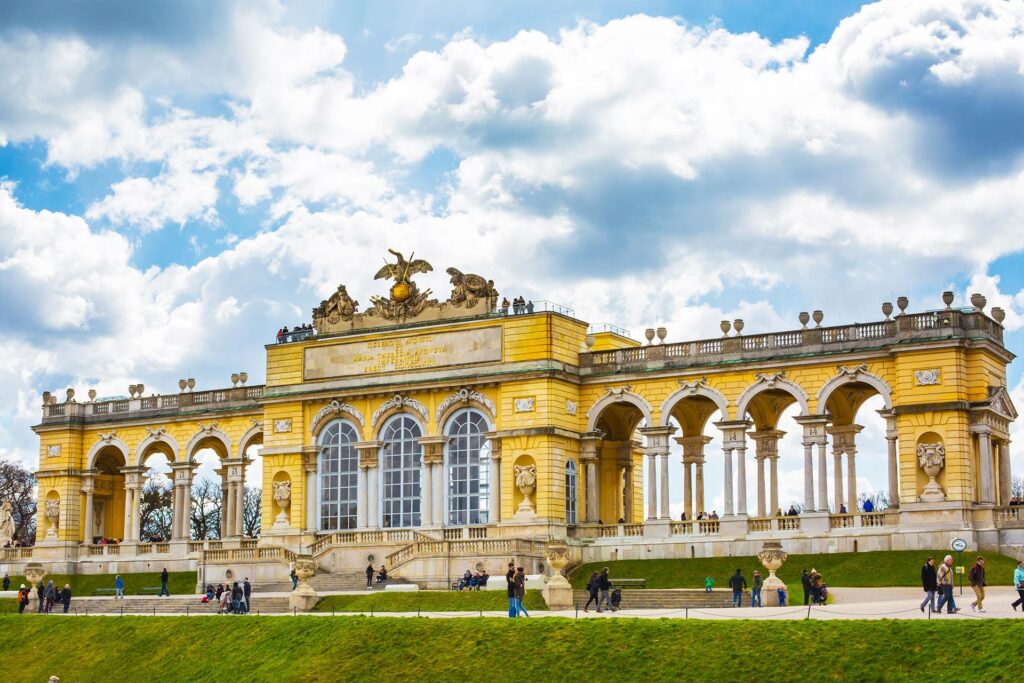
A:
x,y
401,42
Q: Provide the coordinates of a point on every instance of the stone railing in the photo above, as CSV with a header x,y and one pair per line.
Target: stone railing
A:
x,y
842,520
877,519
150,406
759,524
816,340
15,553
375,537
1010,517
788,523
487,546
265,554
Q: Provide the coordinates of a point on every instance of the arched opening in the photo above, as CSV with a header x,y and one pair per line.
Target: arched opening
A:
x,y
772,490
156,507
860,455
108,498
693,488
337,477
401,457
252,483
615,463
467,468
206,506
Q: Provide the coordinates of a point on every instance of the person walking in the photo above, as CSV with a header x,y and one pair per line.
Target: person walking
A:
x,y
805,581
1018,583
755,590
65,597
369,576
163,584
510,577
247,595
41,593
520,586
928,583
737,583
7,581
976,576
23,599
604,585
50,596
944,579
118,587
592,592
295,578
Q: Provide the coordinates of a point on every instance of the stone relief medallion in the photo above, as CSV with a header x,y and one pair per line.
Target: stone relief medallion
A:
x,y
571,407
281,426
525,405
53,451
926,377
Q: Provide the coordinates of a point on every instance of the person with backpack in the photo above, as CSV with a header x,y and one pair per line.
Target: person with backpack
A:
x,y
944,578
604,584
976,576
737,583
928,583
592,592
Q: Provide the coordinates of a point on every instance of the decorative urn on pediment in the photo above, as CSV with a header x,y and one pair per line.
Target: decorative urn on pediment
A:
x,y
932,458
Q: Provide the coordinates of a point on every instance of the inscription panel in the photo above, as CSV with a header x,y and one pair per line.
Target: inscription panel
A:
x,y
403,354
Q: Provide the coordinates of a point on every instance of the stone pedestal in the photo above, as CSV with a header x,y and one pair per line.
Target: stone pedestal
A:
x,y
772,558
557,592
34,573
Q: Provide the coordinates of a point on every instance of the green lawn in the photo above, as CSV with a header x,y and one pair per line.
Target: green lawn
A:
x,y
82,585
428,601
362,648
888,568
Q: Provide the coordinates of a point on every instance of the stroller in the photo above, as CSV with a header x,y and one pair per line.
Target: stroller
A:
x,y
616,598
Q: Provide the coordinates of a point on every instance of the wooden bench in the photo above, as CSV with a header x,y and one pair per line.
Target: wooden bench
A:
x,y
629,583
150,590
105,591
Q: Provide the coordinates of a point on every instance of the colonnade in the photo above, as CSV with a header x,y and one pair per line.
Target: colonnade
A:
x,y
994,478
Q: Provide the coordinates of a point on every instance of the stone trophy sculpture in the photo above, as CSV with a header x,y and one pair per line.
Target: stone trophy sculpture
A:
x,y
52,516
6,523
526,482
283,497
932,458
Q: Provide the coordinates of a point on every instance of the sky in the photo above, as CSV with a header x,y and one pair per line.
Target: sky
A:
x,y
180,179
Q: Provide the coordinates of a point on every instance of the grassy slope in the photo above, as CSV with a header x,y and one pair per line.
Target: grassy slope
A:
x,y
82,585
428,601
346,648
892,568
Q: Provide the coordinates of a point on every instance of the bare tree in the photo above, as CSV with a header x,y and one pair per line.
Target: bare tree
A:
x,y
206,509
252,511
1017,487
19,486
879,500
155,511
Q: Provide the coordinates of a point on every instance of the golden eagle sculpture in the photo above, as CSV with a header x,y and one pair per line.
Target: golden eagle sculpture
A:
x,y
406,300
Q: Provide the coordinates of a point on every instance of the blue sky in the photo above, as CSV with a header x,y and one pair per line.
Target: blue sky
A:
x,y
180,179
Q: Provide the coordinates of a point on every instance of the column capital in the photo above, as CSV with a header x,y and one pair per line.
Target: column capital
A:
x,y
89,480
814,428
978,428
844,437
657,438
734,433
133,476
693,447
767,443
368,453
433,448
590,443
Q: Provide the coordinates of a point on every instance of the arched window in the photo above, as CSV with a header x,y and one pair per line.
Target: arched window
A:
x,y
402,456
469,460
570,492
337,469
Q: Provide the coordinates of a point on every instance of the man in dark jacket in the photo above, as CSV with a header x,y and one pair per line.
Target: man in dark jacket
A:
x,y
604,585
805,581
163,583
510,576
369,576
929,584
976,575
247,594
737,583
65,597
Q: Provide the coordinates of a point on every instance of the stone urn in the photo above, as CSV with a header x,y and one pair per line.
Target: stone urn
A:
x,y
526,482
805,318
557,592
282,497
932,458
304,597
887,310
978,301
34,573
902,302
947,298
772,557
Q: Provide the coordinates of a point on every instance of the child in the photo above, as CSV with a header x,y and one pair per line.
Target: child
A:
x,y
708,583
782,597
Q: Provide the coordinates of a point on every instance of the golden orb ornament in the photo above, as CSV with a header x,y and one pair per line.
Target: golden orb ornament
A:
x,y
400,291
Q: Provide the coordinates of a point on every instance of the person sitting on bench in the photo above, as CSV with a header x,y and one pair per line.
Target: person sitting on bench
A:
x,y
382,575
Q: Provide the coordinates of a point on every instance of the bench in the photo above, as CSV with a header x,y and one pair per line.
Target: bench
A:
x,y
629,583
105,591
150,590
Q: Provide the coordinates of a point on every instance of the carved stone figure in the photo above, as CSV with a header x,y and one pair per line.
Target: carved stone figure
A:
x,y
340,306
283,497
932,458
406,300
6,523
52,516
526,482
467,288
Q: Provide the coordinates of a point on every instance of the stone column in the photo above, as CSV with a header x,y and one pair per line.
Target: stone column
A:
x,y
693,471
310,521
698,482
814,427
663,495
734,434
427,495
312,513
986,493
181,474
590,448
1005,477
687,489
494,511
760,486
432,512
851,479
628,497
440,507
368,460
88,488
657,446
837,479
767,444
774,480
844,441
741,484
891,440
361,499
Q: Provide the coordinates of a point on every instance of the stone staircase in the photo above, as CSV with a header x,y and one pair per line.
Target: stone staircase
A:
x,y
659,598
175,604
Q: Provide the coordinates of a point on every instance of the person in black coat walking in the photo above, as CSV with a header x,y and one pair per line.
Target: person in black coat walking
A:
x,y
247,595
737,583
805,581
604,585
591,592
65,597
163,584
929,583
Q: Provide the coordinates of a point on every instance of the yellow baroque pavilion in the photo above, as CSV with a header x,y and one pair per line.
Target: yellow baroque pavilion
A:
x,y
430,435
